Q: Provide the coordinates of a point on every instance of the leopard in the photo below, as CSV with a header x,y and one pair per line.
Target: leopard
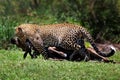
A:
x,y
64,35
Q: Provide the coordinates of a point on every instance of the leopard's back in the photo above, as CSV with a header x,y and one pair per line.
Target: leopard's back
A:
x,y
66,36
59,35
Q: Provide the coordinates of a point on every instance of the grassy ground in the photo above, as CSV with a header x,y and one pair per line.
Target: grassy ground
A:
x,y
14,67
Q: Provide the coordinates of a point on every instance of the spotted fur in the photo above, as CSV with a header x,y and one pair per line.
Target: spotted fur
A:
x,y
65,36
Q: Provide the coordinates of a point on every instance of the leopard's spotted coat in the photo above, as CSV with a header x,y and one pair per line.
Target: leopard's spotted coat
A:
x,y
60,35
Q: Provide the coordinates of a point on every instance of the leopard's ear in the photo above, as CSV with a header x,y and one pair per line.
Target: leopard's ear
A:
x,y
20,30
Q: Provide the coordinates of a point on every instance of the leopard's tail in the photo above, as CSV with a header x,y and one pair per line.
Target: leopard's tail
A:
x,y
87,35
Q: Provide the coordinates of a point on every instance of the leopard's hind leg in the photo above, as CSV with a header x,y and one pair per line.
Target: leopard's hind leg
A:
x,y
71,43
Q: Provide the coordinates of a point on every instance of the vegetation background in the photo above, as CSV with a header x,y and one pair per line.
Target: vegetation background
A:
x,y
100,17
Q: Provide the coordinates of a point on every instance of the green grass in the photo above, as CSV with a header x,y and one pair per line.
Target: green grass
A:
x,y
14,67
